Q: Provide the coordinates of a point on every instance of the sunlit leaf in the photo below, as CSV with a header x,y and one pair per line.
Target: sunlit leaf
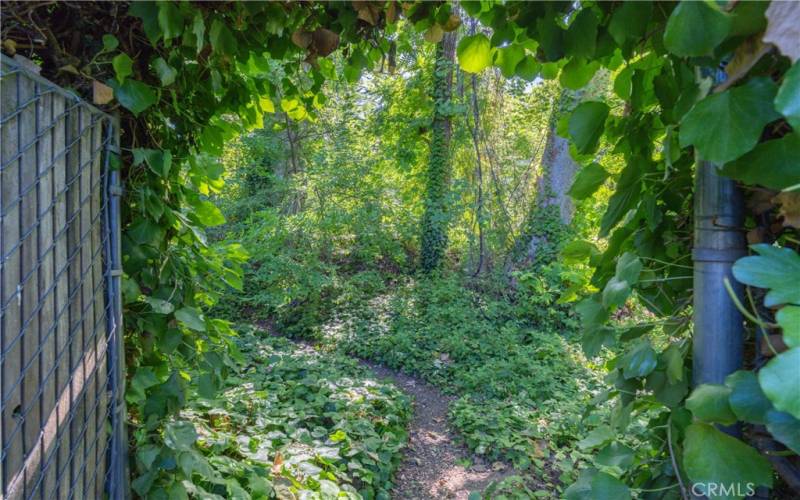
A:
x,y
474,53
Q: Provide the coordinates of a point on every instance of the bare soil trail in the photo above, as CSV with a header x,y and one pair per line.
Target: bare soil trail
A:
x,y
434,466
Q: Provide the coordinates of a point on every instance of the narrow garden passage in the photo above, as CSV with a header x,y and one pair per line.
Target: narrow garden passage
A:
x,y
434,465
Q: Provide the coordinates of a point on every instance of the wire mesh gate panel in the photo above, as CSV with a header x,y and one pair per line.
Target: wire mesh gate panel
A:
x,y
59,294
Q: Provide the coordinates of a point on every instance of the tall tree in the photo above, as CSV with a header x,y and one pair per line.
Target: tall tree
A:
x,y
552,209
435,220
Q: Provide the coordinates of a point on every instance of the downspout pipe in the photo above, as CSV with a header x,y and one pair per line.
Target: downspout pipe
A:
x,y
719,240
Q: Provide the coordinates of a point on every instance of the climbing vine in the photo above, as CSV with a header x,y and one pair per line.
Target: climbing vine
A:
x,y
435,219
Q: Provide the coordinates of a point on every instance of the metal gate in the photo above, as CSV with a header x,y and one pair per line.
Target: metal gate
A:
x,y
61,410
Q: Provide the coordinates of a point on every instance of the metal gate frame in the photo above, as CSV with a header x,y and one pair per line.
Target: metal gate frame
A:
x,y
62,407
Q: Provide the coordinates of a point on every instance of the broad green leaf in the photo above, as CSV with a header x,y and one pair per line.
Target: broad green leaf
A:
x,y
110,43
159,162
143,379
507,59
551,38
591,312
143,483
588,180
623,84
145,232
586,125
594,338
148,13
577,73
192,318
474,53
123,66
130,290
747,18
774,164
597,437
670,394
629,21
709,403
159,305
198,30
711,456
789,320
615,455
222,40
746,399
595,485
206,387
165,72
577,251
626,195
674,361
208,214
695,28
170,20
726,125
779,381
147,454
634,332
338,436
639,361
785,428
528,68
549,70
787,101
180,436
133,95
580,39
628,268
775,268
266,104
616,293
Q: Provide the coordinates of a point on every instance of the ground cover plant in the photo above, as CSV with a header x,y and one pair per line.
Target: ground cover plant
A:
x,y
291,422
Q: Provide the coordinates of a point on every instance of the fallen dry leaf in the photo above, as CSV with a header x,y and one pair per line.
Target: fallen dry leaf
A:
x,y
101,93
789,202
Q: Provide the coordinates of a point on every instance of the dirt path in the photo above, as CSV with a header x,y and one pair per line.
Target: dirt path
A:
x,y
433,465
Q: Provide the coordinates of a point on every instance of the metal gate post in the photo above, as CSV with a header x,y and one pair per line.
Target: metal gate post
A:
x,y
118,485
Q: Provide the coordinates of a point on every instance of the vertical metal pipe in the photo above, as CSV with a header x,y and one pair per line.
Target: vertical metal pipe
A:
x,y
718,241
119,449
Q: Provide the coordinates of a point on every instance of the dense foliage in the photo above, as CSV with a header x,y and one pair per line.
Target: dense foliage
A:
x,y
326,195
292,421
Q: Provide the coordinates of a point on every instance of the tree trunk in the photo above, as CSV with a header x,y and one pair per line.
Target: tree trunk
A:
x,y
435,218
552,210
482,261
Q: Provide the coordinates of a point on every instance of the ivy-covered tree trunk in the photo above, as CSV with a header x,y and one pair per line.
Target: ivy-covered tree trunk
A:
x,y
435,218
552,210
